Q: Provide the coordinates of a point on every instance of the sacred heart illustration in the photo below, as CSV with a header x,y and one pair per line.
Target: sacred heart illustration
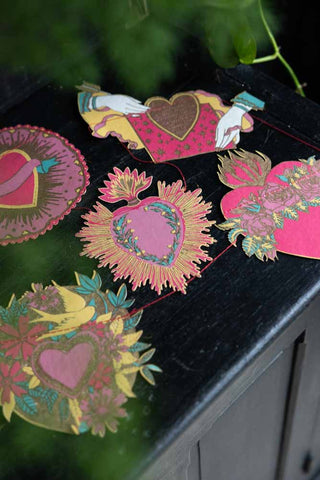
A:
x,y
19,182
158,239
176,116
275,209
188,124
69,356
42,177
68,365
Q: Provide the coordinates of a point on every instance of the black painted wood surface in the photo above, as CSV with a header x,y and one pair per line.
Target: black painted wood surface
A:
x,y
204,339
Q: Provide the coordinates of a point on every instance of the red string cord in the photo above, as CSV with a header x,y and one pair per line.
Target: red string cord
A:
x,y
162,163
134,311
209,264
284,132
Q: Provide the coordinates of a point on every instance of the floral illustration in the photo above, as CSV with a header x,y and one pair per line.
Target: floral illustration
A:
x,y
10,378
69,356
262,211
20,340
42,297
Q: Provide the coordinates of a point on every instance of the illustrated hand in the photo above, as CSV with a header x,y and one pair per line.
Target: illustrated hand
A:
x,y
229,127
121,103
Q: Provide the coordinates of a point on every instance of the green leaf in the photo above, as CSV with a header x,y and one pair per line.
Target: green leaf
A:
x,y
127,303
234,233
64,409
88,285
147,375
219,39
228,4
278,219
47,395
250,245
139,347
291,213
302,206
133,321
315,202
155,368
259,254
228,224
113,299
27,404
122,293
146,356
244,41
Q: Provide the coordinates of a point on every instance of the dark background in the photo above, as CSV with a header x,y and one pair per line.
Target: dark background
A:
x,y
299,40
295,30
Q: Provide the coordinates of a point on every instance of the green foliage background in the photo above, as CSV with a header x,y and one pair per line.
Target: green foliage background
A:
x,y
138,40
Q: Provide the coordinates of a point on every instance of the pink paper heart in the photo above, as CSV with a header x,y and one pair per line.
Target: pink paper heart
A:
x,y
297,237
24,194
152,231
66,366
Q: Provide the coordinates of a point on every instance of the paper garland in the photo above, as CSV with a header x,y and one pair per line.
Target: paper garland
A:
x,y
69,356
188,124
275,209
42,177
158,240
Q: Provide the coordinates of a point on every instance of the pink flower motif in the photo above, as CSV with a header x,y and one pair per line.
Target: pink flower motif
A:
x,y
275,197
114,346
101,376
42,298
309,186
9,377
20,340
259,224
101,410
98,328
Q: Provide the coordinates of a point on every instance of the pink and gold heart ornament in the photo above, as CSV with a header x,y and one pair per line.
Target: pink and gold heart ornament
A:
x,y
275,209
69,356
160,240
42,177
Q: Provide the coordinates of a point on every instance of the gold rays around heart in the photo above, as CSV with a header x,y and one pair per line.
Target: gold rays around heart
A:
x,y
192,208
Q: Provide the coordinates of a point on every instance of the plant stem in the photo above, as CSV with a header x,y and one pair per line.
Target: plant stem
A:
x,y
277,54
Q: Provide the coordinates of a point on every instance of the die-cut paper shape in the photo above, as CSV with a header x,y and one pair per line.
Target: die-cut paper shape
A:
x,y
275,209
42,177
159,240
69,356
185,125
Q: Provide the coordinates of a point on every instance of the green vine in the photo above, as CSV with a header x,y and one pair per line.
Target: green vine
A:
x,y
277,54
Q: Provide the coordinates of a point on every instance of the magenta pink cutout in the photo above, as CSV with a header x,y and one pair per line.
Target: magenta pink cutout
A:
x,y
163,146
298,237
17,181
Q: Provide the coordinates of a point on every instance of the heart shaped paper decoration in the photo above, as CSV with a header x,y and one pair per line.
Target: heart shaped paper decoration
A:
x,y
186,125
158,240
42,177
69,356
275,209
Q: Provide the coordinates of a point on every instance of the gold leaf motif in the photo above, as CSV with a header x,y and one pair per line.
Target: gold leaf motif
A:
x,y
124,385
7,407
75,411
131,338
34,382
241,168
